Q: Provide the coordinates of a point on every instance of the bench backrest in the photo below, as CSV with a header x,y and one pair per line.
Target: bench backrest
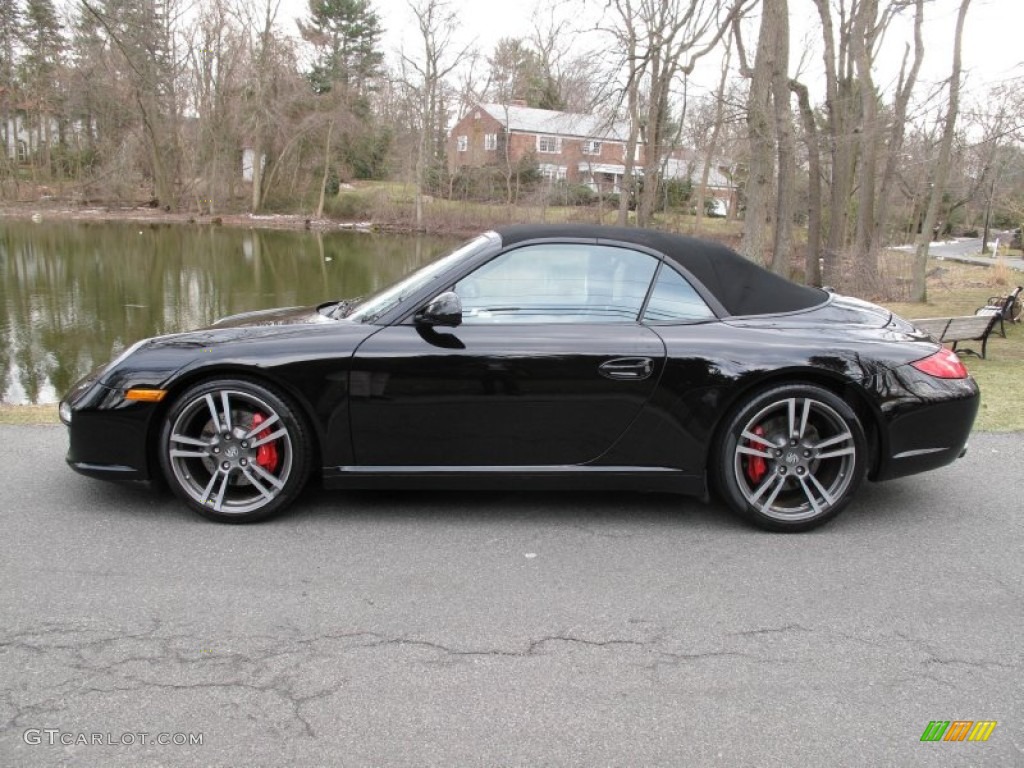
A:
x,y
1007,308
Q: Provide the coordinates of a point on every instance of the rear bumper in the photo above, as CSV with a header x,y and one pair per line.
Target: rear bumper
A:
x,y
928,436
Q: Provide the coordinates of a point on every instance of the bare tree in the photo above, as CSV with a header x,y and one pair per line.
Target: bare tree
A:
x,y
711,148
812,256
763,130
919,289
10,28
661,40
436,60
143,35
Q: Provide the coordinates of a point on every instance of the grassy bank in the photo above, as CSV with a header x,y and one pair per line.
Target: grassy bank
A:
x,y
383,206
29,414
960,290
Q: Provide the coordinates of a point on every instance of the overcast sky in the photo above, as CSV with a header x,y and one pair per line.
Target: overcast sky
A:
x,y
993,38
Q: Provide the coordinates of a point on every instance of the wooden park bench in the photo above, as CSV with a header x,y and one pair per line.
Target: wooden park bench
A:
x,y
975,327
1009,308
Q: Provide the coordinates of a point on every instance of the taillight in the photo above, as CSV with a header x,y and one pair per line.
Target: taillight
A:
x,y
944,364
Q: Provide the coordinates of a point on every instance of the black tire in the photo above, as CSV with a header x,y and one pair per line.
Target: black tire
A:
x,y
791,457
233,469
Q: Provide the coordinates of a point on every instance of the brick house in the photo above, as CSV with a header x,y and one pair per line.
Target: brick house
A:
x,y
577,148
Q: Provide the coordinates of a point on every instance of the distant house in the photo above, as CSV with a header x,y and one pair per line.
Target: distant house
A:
x,y
577,148
23,136
721,189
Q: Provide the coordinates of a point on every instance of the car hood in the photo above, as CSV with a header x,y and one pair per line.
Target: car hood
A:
x,y
265,324
277,316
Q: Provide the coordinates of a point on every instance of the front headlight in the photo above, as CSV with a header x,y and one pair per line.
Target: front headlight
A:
x,y
65,412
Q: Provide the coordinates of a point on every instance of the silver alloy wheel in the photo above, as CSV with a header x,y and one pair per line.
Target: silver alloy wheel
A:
x,y
214,451
795,460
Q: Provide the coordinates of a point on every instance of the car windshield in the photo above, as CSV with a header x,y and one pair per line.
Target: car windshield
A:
x,y
383,301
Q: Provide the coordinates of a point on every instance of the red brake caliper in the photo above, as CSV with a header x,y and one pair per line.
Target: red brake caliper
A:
x,y
757,467
266,454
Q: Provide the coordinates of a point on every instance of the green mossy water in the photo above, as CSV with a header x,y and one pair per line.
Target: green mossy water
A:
x,y
73,295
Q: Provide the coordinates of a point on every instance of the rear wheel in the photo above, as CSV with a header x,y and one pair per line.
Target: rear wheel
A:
x,y
234,450
791,457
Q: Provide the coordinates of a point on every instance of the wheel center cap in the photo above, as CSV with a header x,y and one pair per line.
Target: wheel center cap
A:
x,y
231,452
792,458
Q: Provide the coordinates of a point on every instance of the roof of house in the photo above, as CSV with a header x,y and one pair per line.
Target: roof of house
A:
x,y
692,169
548,121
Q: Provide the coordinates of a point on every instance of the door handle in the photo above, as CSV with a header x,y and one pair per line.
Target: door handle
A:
x,y
627,368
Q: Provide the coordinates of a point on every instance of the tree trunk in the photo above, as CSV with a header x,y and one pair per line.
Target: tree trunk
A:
x,y
904,90
786,150
629,161
812,257
837,101
919,289
864,247
257,176
761,136
716,133
327,169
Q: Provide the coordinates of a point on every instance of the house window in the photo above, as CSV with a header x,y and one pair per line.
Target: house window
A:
x,y
549,145
552,172
462,143
490,141
591,147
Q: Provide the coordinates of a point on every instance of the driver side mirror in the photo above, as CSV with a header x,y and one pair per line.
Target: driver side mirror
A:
x,y
443,310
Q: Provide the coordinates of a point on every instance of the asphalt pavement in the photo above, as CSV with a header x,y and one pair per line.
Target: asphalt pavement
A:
x,y
967,250
507,629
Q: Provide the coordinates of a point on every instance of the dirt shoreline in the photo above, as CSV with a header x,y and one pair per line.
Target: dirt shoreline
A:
x,y
40,212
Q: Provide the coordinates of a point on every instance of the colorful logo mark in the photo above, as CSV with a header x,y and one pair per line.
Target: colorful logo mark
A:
x,y
958,730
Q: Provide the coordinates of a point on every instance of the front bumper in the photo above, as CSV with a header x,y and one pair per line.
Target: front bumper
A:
x,y
108,435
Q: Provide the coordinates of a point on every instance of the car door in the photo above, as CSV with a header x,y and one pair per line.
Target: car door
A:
x,y
548,368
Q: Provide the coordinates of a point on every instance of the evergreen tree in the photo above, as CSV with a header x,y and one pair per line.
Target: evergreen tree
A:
x,y
44,46
10,30
346,34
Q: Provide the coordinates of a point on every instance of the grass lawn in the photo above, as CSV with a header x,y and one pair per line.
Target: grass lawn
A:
x,y
960,291
29,414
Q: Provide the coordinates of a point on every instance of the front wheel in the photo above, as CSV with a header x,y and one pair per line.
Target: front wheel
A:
x,y
791,457
234,450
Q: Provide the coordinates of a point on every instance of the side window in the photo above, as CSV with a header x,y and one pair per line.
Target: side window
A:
x,y
558,283
673,300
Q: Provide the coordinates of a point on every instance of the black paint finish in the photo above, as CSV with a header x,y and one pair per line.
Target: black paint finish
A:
x,y
395,403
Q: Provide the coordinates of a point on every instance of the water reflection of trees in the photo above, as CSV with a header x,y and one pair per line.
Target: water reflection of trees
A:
x,y
74,295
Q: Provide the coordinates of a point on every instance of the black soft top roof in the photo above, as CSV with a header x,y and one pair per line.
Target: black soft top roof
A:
x,y
742,287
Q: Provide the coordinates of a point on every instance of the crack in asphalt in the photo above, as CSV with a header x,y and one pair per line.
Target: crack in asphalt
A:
x,y
290,669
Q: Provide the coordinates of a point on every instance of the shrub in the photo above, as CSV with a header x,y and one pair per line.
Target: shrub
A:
x,y
349,206
563,193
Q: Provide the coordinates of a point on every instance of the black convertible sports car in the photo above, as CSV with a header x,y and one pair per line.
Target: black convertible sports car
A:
x,y
538,357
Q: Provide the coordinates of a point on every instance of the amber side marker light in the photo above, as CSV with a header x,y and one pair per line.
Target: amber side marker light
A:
x,y
145,395
944,364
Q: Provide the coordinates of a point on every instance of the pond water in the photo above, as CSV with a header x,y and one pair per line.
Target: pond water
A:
x,y
73,295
